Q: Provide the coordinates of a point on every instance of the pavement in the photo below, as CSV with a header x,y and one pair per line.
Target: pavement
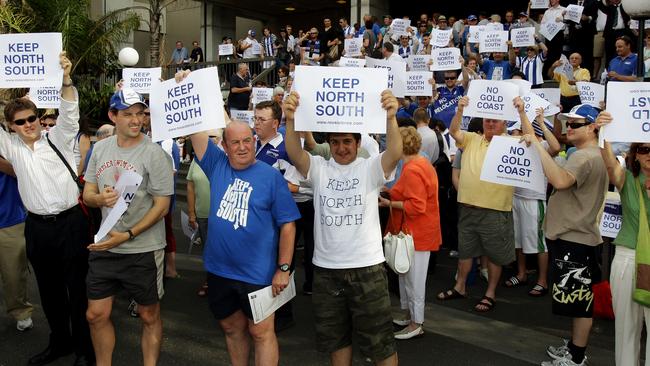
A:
x,y
516,332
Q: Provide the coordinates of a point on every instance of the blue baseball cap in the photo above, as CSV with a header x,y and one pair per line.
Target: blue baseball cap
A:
x,y
583,111
125,98
472,17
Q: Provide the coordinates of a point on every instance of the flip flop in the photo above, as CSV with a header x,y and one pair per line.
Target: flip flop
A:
x,y
486,302
450,294
514,282
541,291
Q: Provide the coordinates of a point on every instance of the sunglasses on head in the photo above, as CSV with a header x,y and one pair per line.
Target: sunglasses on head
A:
x,y
48,124
642,150
575,125
22,121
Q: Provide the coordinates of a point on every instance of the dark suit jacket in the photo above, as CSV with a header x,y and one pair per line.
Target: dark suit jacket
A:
x,y
590,10
610,11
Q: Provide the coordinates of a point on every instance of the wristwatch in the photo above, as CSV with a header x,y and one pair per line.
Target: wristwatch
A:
x,y
284,267
131,236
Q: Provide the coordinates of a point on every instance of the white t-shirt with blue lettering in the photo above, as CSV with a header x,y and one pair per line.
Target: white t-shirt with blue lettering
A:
x,y
347,233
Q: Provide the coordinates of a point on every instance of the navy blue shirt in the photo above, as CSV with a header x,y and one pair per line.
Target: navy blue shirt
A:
x,y
12,211
497,70
623,66
273,152
445,106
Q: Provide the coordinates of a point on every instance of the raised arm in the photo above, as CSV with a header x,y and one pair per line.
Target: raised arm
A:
x,y
393,152
299,157
554,146
310,142
454,128
526,126
559,177
512,58
615,171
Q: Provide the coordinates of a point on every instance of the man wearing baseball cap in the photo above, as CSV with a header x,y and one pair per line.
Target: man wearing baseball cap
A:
x,y
131,255
572,229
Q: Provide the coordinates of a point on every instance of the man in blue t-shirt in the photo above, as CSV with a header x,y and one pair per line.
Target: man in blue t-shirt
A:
x,y
498,68
13,258
252,231
446,97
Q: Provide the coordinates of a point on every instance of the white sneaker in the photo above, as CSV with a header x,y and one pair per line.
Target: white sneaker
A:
x,y
559,352
402,322
405,334
25,324
565,361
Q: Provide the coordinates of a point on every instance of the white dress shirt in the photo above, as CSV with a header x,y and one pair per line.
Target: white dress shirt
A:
x,y
44,183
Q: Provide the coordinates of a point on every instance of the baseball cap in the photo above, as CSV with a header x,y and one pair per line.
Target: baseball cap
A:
x,y
472,17
523,14
442,17
125,98
585,111
251,32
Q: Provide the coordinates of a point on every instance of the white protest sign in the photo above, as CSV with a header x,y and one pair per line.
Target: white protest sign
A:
x,y
523,85
30,60
243,116
261,95
226,49
494,27
634,24
418,62
550,29
141,80
352,62
522,37
447,58
417,83
591,93
340,99
533,101
610,222
352,46
46,97
512,163
565,68
396,74
400,26
193,105
126,186
440,38
257,48
539,4
552,95
493,41
188,230
573,13
629,104
475,32
492,99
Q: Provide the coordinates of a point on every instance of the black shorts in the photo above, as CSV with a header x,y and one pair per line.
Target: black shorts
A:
x,y
226,296
140,274
574,268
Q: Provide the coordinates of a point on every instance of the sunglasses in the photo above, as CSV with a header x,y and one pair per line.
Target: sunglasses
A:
x,y
147,114
451,78
22,121
642,150
48,124
575,125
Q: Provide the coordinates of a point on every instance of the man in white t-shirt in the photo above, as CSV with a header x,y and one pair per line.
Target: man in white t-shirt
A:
x,y
350,290
247,45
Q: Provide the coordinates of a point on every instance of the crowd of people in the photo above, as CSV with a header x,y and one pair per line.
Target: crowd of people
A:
x,y
258,187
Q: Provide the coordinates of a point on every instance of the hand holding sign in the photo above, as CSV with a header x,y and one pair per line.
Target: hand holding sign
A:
x,y
508,162
629,106
32,60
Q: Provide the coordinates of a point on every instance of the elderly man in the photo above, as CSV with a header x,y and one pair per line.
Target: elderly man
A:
x,y
240,88
179,55
485,225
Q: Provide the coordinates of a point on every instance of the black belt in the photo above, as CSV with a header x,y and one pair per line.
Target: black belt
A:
x,y
53,218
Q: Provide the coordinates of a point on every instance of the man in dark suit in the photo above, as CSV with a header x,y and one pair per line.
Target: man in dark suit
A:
x,y
581,36
616,26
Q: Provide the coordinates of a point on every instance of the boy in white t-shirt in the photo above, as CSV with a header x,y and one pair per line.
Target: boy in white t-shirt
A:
x,y
350,290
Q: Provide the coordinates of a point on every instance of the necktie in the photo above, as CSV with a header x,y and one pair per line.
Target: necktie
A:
x,y
615,21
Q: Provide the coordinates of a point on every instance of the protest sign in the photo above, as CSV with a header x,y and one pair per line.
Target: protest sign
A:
x,y
352,62
522,37
30,60
396,74
352,46
634,24
447,58
565,68
244,116
226,49
261,95
550,29
141,80
494,27
573,13
418,62
552,95
512,163
591,93
417,83
46,97
475,32
523,85
193,105
440,38
257,48
539,4
629,104
340,99
610,222
400,26
533,101
492,99
493,41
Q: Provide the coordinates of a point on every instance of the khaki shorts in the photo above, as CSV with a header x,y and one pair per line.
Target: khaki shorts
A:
x,y
482,231
353,300
599,45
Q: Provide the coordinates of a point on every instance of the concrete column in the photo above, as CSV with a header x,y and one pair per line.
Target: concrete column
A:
x,y
372,7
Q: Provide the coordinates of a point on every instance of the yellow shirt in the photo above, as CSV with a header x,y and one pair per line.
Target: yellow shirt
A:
x,y
472,190
567,90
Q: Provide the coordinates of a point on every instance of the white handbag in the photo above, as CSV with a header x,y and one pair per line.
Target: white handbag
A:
x,y
399,249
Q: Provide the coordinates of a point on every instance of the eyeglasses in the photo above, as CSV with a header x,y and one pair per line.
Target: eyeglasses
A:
x,y
48,124
575,125
642,150
22,121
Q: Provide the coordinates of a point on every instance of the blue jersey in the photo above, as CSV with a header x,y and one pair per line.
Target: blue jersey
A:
x,y
445,106
247,209
12,211
497,70
624,66
273,153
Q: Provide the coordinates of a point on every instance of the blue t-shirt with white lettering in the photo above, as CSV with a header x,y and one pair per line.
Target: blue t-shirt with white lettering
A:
x,y
623,66
247,209
497,70
444,108
12,211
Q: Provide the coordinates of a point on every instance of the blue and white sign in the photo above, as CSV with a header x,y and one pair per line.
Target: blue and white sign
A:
x,y
552,95
418,62
610,222
492,99
141,80
550,29
261,95
573,13
512,163
352,46
30,60
591,93
352,62
522,37
447,58
417,83
493,41
396,74
629,104
243,116
46,97
440,38
400,26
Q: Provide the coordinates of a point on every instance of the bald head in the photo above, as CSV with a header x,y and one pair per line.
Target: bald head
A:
x,y
236,127
104,131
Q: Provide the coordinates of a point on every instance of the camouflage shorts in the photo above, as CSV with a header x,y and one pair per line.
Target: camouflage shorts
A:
x,y
353,300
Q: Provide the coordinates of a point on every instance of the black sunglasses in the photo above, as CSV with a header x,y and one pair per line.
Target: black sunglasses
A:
x,y
451,78
642,150
48,124
575,125
22,121
147,113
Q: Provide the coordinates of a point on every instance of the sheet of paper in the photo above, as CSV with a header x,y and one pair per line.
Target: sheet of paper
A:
x,y
263,304
185,225
126,186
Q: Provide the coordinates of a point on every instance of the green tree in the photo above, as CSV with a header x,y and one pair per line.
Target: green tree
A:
x,y
155,11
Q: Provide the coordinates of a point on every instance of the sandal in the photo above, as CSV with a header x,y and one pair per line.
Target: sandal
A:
x,y
514,282
487,303
540,291
450,294
203,290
